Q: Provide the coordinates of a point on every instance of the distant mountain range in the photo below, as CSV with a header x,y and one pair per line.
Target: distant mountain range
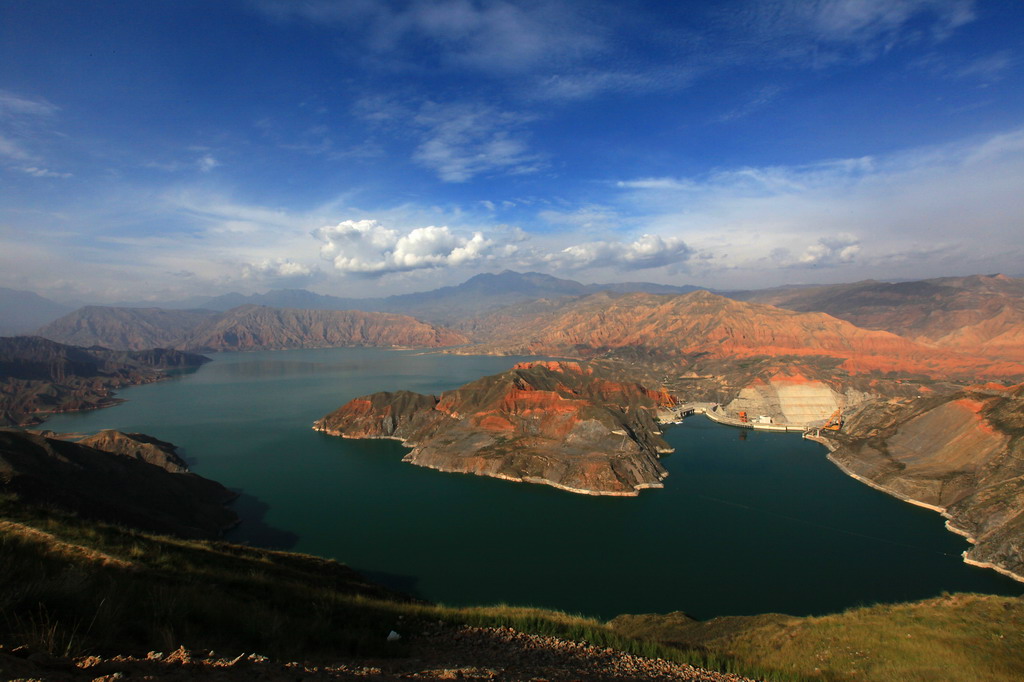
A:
x,y
446,305
981,315
24,311
247,327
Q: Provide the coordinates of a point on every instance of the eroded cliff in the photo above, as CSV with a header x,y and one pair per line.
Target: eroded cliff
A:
x,y
558,423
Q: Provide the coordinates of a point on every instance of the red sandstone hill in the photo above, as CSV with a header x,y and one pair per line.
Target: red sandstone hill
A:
x,y
557,423
710,326
980,314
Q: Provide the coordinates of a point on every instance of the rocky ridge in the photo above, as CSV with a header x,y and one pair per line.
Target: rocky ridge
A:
x,y
138,446
558,423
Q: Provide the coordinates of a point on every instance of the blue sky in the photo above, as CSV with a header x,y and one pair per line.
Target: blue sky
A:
x,y
165,149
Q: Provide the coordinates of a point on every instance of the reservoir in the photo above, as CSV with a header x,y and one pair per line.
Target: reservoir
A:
x,y
748,521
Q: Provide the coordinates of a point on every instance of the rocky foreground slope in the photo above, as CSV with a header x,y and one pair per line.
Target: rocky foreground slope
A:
x,y
558,423
960,454
39,376
115,485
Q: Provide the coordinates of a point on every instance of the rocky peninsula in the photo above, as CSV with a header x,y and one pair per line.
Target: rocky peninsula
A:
x,y
562,424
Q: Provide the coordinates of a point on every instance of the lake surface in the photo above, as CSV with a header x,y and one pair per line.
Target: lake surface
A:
x,y
748,522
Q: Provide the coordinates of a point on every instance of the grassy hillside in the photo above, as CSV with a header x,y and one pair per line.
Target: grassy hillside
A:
x,y
969,637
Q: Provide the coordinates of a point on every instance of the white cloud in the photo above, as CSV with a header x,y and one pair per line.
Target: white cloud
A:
x,y
495,37
933,211
822,32
24,123
13,105
463,140
841,248
43,172
277,268
13,150
649,251
366,247
207,163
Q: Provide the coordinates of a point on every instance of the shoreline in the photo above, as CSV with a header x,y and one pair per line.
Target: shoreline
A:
x,y
502,477
917,503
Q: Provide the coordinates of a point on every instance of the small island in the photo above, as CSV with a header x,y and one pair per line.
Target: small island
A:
x,y
563,424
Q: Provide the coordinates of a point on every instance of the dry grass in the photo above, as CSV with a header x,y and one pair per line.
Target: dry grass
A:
x,y
966,637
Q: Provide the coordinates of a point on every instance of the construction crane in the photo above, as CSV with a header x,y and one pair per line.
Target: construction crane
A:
x,y
835,422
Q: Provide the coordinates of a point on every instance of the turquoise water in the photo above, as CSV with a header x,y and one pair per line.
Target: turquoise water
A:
x,y
748,522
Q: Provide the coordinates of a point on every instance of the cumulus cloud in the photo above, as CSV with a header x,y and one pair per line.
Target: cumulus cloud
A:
x,y
282,268
841,248
368,248
649,251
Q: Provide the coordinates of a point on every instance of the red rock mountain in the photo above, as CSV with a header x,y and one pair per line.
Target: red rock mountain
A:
x,y
557,423
710,326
